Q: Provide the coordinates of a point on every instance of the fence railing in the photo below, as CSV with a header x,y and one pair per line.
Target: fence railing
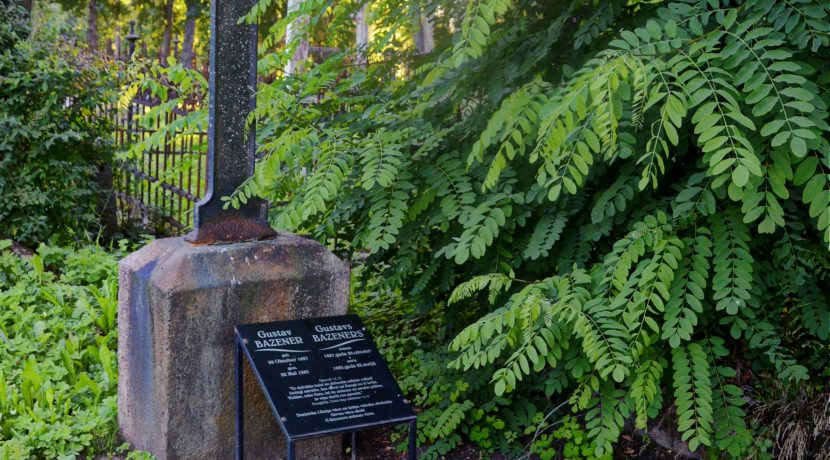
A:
x,y
158,190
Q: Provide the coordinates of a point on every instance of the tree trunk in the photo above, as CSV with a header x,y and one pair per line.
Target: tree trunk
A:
x,y
92,26
168,33
361,33
28,4
296,34
424,40
190,33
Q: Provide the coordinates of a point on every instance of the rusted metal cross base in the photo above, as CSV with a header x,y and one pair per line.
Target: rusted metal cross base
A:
x,y
230,229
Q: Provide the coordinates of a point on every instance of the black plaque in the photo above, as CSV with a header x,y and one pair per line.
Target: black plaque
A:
x,y
323,376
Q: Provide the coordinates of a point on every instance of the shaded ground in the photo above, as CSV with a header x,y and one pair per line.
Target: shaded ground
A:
x,y
376,445
636,447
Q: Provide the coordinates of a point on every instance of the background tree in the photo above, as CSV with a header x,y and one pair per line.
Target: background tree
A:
x,y
27,5
424,40
296,36
196,9
112,11
92,25
164,51
51,144
361,34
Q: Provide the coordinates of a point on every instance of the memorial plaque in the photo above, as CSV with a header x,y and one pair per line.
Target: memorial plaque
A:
x,y
323,376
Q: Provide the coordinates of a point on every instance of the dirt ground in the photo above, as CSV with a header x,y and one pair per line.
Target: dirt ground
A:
x,y
375,445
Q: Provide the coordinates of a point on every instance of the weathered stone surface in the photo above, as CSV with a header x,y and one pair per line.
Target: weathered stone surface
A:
x,y
178,304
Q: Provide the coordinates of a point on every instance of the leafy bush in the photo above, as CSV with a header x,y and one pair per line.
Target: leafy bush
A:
x,y
50,152
58,368
624,205
396,327
451,403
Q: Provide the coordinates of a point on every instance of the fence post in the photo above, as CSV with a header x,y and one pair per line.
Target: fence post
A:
x,y
132,37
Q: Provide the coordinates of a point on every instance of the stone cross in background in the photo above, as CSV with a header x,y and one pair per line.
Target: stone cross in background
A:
x,y
233,55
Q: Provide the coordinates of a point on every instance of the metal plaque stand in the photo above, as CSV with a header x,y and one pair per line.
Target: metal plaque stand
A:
x,y
291,441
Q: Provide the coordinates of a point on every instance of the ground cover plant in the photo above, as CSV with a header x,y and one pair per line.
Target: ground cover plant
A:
x,y
621,210
58,369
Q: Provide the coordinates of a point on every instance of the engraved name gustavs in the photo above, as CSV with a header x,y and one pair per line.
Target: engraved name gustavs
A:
x,y
336,332
276,339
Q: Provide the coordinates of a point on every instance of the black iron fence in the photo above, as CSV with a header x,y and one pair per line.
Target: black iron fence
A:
x,y
157,191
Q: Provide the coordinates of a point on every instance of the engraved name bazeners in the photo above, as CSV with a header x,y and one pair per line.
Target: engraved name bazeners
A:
x,y
276,339
336,332
324,334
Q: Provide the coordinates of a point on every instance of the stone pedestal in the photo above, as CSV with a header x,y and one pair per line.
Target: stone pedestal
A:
x,y
178,304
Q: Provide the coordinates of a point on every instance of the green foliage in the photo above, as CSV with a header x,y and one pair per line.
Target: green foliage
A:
x,y
547,232
395,326
573,439
471,41
629,184
171,85
693,395
50,149
58,357
731,434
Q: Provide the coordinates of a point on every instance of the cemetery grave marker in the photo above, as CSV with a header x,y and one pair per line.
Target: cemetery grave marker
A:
x,y
179,298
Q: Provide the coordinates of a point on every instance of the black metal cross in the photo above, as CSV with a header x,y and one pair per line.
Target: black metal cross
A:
x,y
233,56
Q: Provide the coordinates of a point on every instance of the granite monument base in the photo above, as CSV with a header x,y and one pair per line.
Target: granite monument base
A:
x,y
178,304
